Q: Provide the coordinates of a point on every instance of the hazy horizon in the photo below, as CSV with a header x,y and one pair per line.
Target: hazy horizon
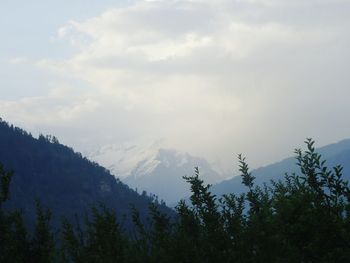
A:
x,y
212,79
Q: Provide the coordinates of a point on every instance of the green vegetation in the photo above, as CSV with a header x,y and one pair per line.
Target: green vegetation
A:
x,y
304,218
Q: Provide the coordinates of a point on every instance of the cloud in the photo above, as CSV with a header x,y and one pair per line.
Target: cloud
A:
x,y
59,106
141,53
212,77
18,60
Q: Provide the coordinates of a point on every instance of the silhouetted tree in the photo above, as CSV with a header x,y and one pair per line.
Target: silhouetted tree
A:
x,y
303,218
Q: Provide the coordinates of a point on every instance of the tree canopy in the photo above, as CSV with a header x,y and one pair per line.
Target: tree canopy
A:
x,y
303,218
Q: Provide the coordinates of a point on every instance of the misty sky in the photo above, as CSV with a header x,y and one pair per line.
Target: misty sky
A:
x,y
210,77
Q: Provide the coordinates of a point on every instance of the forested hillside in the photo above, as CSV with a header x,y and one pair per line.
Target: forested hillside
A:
x,y
61,179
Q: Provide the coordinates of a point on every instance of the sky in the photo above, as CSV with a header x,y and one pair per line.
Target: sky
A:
x,y
212,78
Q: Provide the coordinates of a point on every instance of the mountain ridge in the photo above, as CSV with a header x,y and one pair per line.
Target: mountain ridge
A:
x,y
334,154
61,179
155,169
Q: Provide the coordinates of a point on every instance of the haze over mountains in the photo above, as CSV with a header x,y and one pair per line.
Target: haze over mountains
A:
x,y
154,169
69,183
159,171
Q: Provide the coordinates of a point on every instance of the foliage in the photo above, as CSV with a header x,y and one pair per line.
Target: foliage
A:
x,y
15,245
303,218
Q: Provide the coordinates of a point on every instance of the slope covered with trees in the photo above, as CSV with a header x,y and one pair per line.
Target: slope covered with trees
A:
x,y
60,179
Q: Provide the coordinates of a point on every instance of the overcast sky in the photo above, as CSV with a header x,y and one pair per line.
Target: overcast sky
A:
x,y
210,77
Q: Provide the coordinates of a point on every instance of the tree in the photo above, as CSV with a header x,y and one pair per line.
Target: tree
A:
x,y
303,218
102,241
14,245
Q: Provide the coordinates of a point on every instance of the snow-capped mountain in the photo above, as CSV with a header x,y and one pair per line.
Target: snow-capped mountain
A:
x,y
154,169
121,159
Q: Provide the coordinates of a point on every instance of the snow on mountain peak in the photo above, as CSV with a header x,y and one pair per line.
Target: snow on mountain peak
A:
x,y
123,159
153,168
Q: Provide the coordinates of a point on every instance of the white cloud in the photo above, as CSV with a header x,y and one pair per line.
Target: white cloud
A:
x,y
18,60
59,106
212,77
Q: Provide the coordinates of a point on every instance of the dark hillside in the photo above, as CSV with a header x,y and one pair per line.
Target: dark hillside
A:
x,y
61,179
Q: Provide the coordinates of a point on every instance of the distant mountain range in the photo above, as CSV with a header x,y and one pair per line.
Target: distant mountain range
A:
x,y
159,171
154,169
61,179
334,154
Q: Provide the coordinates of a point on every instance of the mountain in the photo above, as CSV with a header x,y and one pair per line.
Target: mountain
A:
x,y
165,178
334,154
121,159
61,179
154,169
